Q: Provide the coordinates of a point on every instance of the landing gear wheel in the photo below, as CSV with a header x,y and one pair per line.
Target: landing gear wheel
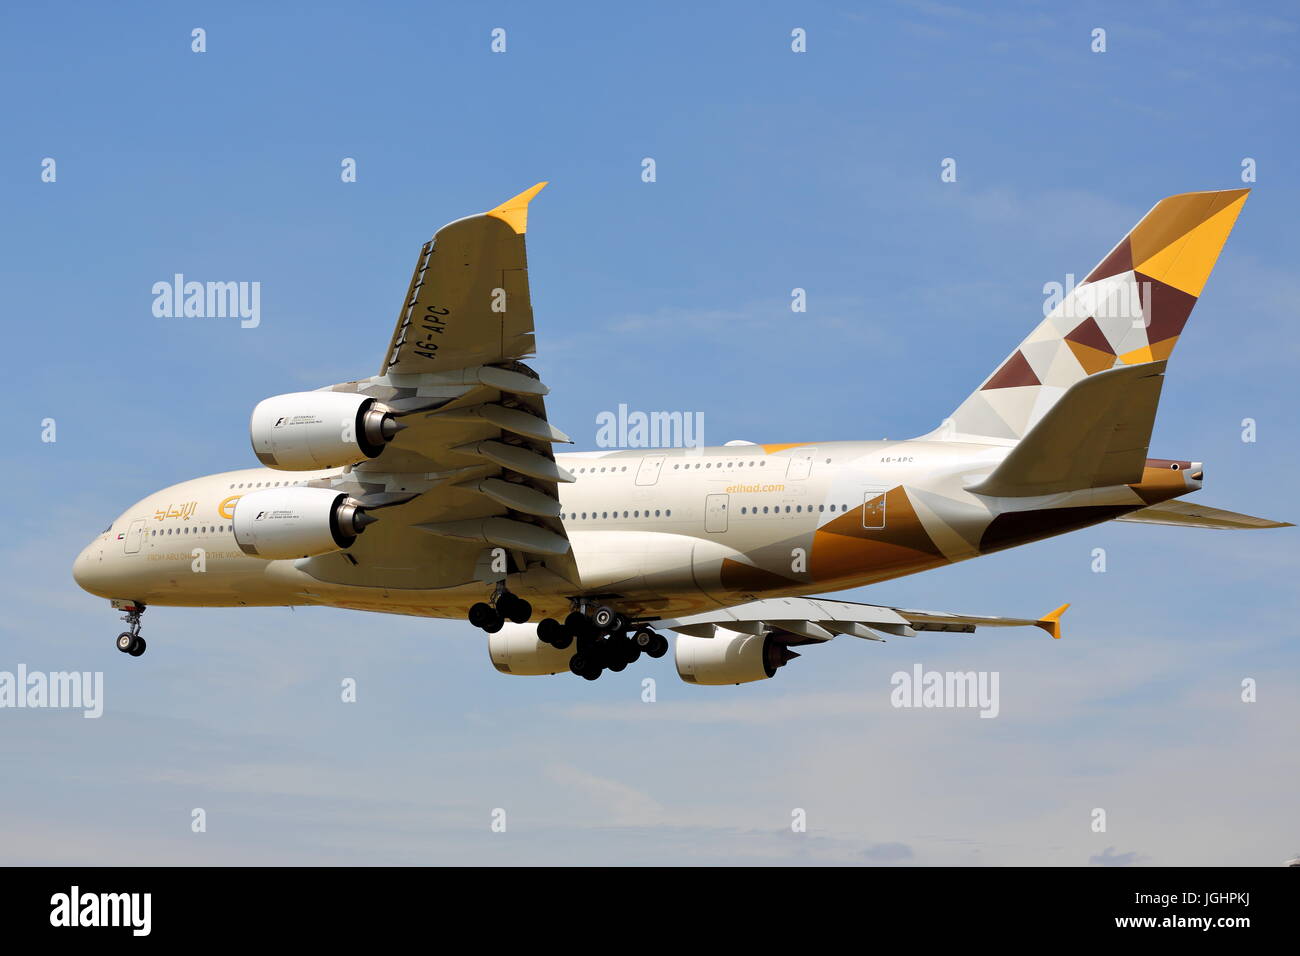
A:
x,y
130,641
495,624
578,624
659,648
579,663
631,653
644,639
481,614
514,608
607,619
549,631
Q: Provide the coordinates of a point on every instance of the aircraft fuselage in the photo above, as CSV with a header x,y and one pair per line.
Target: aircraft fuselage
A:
x,y
662,532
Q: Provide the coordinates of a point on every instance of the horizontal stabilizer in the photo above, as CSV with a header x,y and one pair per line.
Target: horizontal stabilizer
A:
x,y
1095,436
1187,515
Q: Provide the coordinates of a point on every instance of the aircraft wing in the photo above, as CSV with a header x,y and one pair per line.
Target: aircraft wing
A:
x,y
468,303
1185,514
467,489
820,619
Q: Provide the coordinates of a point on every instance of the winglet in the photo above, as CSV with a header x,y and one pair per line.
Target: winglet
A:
x,y
514,212
1051,623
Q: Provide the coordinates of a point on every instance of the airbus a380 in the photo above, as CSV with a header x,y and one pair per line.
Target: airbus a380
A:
x,y
434,488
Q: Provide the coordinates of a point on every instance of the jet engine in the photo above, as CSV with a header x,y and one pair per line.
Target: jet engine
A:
x,y
729,658
305,430
297,522
516,650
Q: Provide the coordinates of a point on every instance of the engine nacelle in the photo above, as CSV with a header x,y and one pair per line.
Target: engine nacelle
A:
x,y
296,522
729,658
306,430
516,650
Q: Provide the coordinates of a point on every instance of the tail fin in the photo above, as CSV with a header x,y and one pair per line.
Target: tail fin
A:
x,y
1130,310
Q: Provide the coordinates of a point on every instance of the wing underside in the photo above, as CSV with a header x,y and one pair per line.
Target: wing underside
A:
x,y
819,619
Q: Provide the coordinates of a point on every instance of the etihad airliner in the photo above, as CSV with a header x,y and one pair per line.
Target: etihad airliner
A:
x,y
434,487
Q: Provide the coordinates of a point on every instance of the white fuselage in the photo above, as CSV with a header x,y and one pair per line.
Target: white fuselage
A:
x,y
660,531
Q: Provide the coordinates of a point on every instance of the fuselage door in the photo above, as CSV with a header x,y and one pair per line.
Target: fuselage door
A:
x,y
715,513
648,473
800,466
133,536
873,508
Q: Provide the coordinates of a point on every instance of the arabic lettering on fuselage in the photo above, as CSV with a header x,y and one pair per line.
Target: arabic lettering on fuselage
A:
x,y
184,510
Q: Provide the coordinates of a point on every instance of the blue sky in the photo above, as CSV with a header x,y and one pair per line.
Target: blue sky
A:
x,y
775,170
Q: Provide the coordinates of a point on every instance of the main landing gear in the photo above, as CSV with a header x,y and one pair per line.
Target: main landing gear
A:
x,y
504,607
604,639
130,641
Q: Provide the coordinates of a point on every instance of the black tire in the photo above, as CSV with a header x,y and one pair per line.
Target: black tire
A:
x,y
124,642
643,639
481,614
563,641
137,647
660,647
495,623
604,618
631,653
592,673
515,609
578,663
577,623
550,631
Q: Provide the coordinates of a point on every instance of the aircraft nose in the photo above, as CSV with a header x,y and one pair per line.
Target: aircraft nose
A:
x,y
88,570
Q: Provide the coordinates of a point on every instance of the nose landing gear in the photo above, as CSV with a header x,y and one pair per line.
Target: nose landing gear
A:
x,y
130,641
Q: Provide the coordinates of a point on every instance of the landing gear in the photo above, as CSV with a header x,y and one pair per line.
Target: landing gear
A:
x,y
603,641
504,607
514,608
486,617
607,619
550,631
654,645
130,642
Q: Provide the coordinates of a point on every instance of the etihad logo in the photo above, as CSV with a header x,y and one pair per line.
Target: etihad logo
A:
x,y
752,489
227,507
183,510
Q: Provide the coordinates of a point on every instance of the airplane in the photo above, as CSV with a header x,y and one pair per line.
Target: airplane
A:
x,y
434,487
